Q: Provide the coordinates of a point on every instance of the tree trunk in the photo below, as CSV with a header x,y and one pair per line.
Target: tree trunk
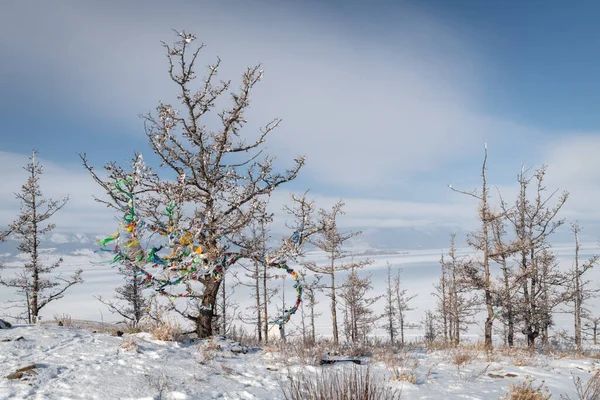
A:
x,y
265,305
336,340
209,301
258,309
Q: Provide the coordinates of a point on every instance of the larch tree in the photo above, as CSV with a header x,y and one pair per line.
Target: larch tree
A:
x,y
390,309
507,288
402,300
534,219
481,241
213,181
457,305
131,302
357,304
38,281
331,240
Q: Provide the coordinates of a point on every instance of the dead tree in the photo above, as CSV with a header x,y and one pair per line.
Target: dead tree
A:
x,y
221,176
131,303
579,287
534,219
507,289
456,305
591,327
331,240
390,310
402,300
481,241
310,301
38,282
359,317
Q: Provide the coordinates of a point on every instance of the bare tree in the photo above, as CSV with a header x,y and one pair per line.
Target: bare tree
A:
x,y
443,305
481,241
390,310
502,253
359,317
591,327
311,288
402,300
538,278
456,305
331,240
35,282
131,303
579,286
430,327
222,177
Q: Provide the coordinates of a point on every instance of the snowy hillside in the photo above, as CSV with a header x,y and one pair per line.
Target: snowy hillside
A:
x,y
68,363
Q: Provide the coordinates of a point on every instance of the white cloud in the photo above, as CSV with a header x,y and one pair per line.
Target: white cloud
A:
x,y
574,165
364,111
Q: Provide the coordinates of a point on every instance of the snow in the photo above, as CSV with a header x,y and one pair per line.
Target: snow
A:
x,y
78,364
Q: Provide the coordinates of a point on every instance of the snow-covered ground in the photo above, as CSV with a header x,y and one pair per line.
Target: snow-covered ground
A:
x,y
78,364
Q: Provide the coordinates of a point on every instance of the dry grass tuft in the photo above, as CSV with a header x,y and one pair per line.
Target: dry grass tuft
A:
x,y
338,384
63,320
207,352
166,329
526,390
403,367
463,356
129,344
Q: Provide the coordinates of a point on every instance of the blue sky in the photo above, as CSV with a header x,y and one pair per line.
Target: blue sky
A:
x,y
389,101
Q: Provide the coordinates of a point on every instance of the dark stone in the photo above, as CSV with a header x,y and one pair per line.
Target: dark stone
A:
x,y
5,324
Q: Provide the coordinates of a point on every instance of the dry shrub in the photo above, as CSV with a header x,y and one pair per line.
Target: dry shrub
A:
x,y
403,367
129,344
523,358
207,352
589,390
338,384
310,354
167,330
63,320
463,356
526,390
357,350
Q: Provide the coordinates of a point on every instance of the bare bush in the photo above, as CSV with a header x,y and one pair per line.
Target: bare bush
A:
x,y
348,383
63,320
403,367
167,330
526,390
586,391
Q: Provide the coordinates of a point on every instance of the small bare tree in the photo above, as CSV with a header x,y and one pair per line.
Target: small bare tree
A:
x,y
579,286
359,315
390,310
456,305
37,282
131,303
402,300
331,240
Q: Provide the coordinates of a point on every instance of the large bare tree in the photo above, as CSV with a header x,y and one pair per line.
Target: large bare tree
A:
x,y
37,282
481,241
534,218
217,177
